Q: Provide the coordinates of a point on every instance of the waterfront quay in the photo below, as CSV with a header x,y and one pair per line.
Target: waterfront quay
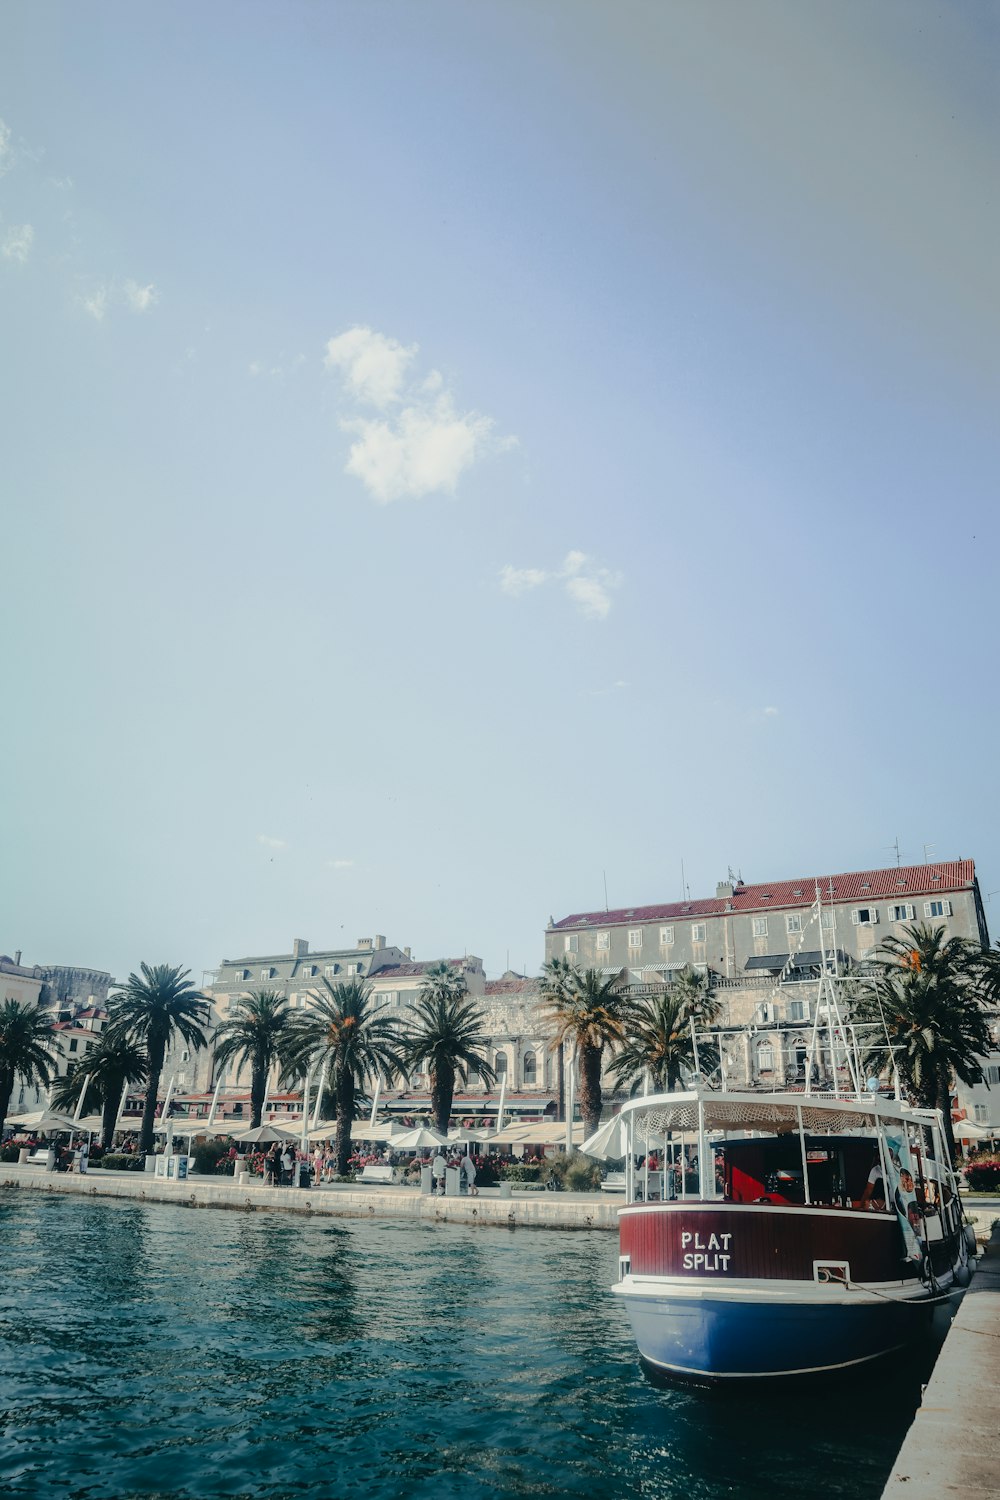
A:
x,y
951,1447
522,1209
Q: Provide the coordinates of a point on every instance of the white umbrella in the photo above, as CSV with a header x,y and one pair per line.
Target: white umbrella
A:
x,y
609,1142
45,1120
263,1135
461,1134
969,1130
419,1139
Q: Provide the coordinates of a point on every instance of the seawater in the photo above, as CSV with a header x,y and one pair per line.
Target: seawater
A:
x,y
156,1351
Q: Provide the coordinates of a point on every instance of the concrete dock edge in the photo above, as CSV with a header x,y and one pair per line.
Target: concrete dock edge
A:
x,y
535,1210
951,1447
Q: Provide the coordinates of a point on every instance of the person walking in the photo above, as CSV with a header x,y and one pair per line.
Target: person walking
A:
x,y
272,1162
317,1166
438,1168
469,1173
287,1164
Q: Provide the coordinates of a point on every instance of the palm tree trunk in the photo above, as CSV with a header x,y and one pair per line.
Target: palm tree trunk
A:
x,y
442,1098
345,1117
109,1111
156,1051
6,1089
258,1086
591,1100
943,1103
561,1065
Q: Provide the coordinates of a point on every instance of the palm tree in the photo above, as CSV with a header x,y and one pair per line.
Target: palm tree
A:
x,y
590,1018
27,1044
150,1011
925,1015
658,1040
701,1004
556,982
113,1061
446,1028
342,1030
254,1033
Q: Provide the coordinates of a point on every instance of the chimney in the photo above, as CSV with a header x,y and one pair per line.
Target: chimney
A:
x,y
299,947
407,952
17,957
379,940
365,943
724,888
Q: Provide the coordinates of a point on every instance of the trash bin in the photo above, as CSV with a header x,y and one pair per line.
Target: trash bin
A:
x,y
426,1180
151,1161
452,1182
305,1174
505,1189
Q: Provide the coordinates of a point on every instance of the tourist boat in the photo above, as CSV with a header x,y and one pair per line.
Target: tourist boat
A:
x,y
786,1233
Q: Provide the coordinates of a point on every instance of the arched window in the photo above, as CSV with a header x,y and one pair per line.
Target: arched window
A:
x,y
529,1067
765,1057
501,1063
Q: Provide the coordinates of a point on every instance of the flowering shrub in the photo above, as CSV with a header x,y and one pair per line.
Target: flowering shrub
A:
x,y
215,1155
983,1174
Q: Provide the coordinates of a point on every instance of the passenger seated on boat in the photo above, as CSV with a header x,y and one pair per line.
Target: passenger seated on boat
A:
x,y
874,1193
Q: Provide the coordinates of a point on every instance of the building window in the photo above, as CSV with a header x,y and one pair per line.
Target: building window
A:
x,y
666,937
635,937
797,1010
937,908
529,1067
828,919
243,975
268,973
359,968
332,969
765,1058
603,940
698,932
571,943
500,1065
864,916
309,972
902,913
760,927
73,1045
793,922
982,1114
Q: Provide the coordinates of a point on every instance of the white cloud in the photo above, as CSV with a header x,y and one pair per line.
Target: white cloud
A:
x,y
259,367
340,864
374,367
97,303
425,450
17,243
270,843
770,713
6,149
421,443
140,298
518,580
585,581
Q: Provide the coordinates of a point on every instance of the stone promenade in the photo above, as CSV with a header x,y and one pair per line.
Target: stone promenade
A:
x,y
538,1210
951,1448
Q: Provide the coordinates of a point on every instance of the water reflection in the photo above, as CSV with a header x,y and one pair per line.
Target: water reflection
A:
x,y
178,1353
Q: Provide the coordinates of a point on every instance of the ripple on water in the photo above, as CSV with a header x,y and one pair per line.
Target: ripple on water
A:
x,y
151,1351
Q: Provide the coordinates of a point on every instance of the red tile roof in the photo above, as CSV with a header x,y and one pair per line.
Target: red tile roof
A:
x,y
856,885
510,986
413,969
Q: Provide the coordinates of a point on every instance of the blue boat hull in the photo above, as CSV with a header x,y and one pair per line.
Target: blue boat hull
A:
x,y
711,1339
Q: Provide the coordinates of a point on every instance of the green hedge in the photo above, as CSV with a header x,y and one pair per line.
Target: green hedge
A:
x,y
122,1162
521,1171
9,1153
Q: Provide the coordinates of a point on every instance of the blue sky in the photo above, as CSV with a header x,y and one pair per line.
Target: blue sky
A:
x,y
453,451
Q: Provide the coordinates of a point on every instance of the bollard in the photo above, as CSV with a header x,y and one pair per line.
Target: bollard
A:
x,y
505,1189
22,1156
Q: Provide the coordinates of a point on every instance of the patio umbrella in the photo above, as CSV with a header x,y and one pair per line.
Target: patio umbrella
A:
x,y
609,1142
45,1120
419,1139
968,1130
263,1135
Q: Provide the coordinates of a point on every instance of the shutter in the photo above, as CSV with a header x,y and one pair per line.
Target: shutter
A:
x,y
855,918
927,908
946,906
911,912
873,915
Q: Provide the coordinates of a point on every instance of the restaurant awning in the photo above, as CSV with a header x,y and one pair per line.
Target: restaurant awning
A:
x,y
775,961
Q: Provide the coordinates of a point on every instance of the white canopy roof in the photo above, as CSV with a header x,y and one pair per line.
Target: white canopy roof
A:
x,y
822,1114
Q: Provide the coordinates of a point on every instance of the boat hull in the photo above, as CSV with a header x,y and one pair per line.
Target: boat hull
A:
x,y
710,1338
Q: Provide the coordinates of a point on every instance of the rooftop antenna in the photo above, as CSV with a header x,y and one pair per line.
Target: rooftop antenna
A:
x,y
606,906
683,886
896,847
927,849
